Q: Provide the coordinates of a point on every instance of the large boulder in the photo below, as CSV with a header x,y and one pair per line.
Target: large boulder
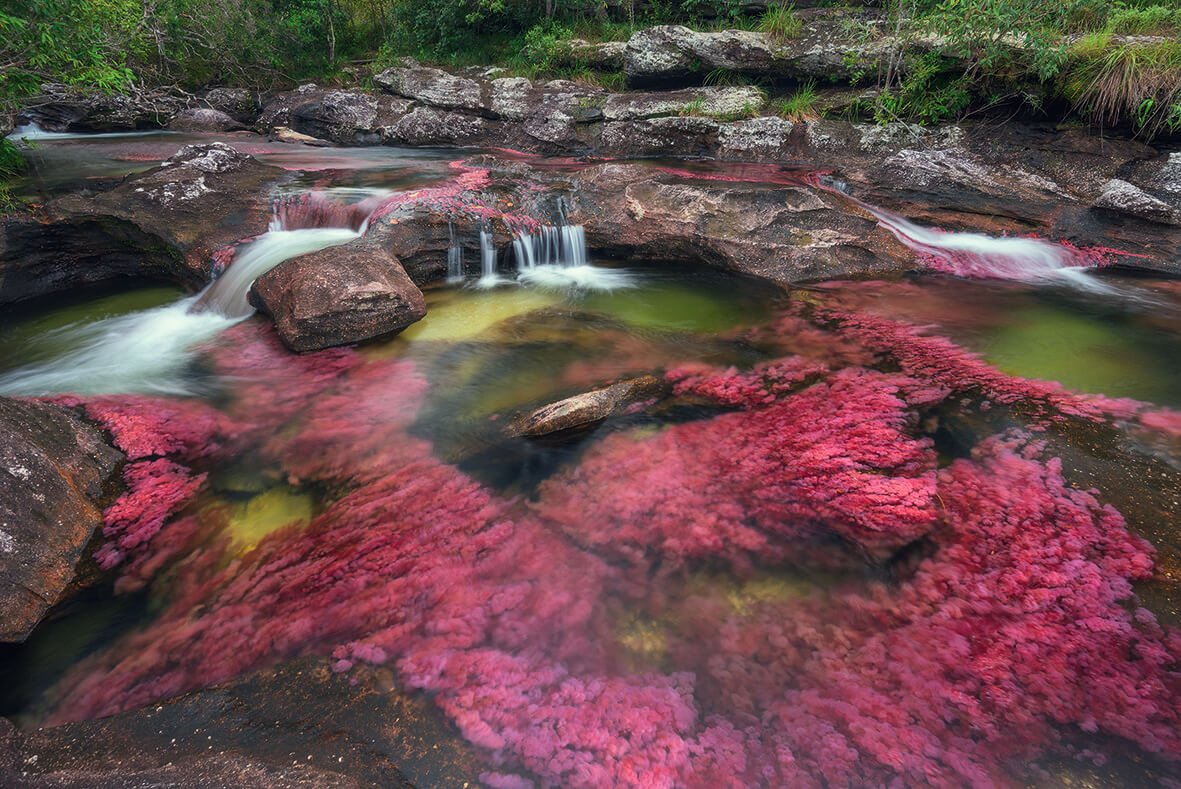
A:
x,y
708,102
166,223
338,296
54,470
239,103
777,229
425,126
350,117
203,119
1122,197
297,725
432,86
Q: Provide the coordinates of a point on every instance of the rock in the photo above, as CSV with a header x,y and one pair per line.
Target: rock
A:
x,y
603,56
1169,176
756,138
166,224
587,409
61,108
297,725
675,136
658,54
784,233
239,103
513,98
203,119
339,296
349,117
426,126
709,102
289,135
432,86
1122,197
53,472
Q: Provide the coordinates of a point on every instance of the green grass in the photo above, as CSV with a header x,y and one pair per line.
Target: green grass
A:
x,y
801,104
1135,83
1154,20
12,164
781,22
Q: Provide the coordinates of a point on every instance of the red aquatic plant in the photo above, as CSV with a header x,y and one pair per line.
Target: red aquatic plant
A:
x,y
156,489
833,462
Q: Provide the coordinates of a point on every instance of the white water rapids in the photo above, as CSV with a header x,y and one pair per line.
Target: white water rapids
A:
x,y
150,351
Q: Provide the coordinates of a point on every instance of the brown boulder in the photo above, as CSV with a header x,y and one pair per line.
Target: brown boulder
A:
x,y
53,471
338,296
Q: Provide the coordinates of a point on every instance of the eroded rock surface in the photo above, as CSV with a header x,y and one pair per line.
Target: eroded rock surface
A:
x,y
53,471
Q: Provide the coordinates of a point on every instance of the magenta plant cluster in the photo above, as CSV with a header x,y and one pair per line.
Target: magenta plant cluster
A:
x,y
978,617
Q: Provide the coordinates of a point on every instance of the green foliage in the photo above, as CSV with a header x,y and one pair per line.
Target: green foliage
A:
x,y
1136,83
1153,20
801,104
780,22
694,108
544,45
929,93
1001,36
12,164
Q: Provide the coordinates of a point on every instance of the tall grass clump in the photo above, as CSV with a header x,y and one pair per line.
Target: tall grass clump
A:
x,y
781,22
1134,82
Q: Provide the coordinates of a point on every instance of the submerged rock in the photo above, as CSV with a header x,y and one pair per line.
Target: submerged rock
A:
x,y
53,470
293,726
339,296
586,409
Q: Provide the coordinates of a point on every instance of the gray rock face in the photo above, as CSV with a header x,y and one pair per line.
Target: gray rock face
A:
x,y
349,117
426,126
203,119
339,296
755,138
1125,198
53,471
701,101
239,103
432,86
587,409
513,98
673,136
659,54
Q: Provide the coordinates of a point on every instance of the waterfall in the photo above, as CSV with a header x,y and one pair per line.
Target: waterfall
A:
x,y
489,278
555,256
454,257
150,351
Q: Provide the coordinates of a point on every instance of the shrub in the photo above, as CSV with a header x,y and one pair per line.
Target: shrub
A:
x,y
1153,20
544,46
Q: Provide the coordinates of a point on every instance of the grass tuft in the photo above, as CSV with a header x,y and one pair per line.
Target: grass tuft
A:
x,y
781,22
801,104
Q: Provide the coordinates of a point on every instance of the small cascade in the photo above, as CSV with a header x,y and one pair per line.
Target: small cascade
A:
x,y
150,351
454,257
327,209
555,256
980,256
227,295
489,277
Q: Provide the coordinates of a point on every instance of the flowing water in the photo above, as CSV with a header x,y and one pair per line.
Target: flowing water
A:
x,y
839,550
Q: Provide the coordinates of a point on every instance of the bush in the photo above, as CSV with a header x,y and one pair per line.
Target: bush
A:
x,y
1154,20
544,45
